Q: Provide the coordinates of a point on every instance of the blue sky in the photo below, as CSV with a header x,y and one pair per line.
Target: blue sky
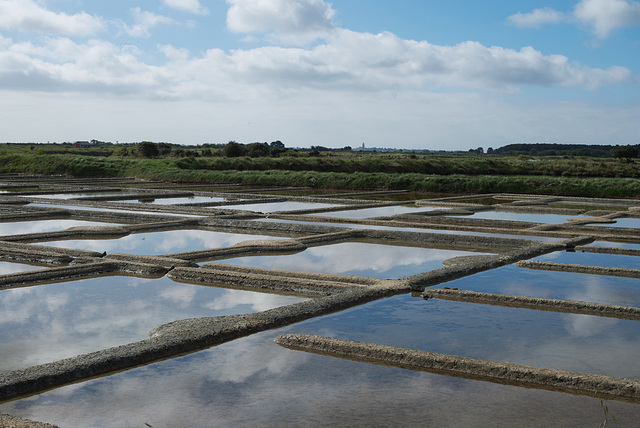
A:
x,y
413,74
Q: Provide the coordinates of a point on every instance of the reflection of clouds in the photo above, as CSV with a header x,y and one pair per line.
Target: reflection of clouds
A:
x,y
258,301
600,289
49,322
38,226
587,325
368,259
376,212
277,206
8,267
534,218
252,381
157,243
181,294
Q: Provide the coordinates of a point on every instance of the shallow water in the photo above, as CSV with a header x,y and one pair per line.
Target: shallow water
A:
x,y
529,217
356,258
270,207
615,244
180,200
159,243
48,322
592,259
408,229
254,382
15,267
553,285
376,212
581,343
622,222
38,226
79,195
113,210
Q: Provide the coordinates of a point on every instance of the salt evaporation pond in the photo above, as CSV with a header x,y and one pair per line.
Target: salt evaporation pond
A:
x,y
157,200
49,322
254,382
408,229
614,245
582,343
79,195
356,258
376,212
269,207
592,259
39,226
633,223
15,267
526,217
581,287
159,243
112,210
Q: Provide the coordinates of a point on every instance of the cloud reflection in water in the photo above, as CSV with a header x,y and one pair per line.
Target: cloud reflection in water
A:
x,y
50,322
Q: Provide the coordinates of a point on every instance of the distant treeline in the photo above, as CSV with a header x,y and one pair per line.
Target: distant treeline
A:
x,y
552,149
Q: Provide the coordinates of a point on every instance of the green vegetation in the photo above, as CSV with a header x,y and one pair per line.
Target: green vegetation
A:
x,y
272,164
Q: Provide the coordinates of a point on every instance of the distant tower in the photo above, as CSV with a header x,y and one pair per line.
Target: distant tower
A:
x,y
363,145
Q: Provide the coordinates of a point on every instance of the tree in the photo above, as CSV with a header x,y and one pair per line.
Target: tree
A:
x,y
234,150
256,150
277,144
148,149
627,152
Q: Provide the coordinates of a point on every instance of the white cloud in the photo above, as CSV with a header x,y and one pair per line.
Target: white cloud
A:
x,y
144,21
289,20
348,61
608,15
29,16
536,18
192,6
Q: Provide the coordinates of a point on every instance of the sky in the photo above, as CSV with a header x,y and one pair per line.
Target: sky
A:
x,y
416,74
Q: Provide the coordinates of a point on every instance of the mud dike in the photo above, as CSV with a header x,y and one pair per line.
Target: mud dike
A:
x,y
473,224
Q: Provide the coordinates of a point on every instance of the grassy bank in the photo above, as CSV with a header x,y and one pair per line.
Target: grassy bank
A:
x,y
442,174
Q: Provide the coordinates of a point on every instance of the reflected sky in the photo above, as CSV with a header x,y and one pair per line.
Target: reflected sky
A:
x,y
622,222
180,200
158,243
530,217
111,210
270,207
356,258
10,267
409,229
581,343
377,212
592,259
49,322
254,382
553,285
79,195
38,226
614,244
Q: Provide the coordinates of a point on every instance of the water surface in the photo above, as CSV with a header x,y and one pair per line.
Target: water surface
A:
x,y
39,226
180,200
592,259
45,323
376,212
356,258
254,382
158,243
269,207
15,267
553,285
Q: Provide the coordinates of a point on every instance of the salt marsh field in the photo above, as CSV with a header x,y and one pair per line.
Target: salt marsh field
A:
x,y
124,305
